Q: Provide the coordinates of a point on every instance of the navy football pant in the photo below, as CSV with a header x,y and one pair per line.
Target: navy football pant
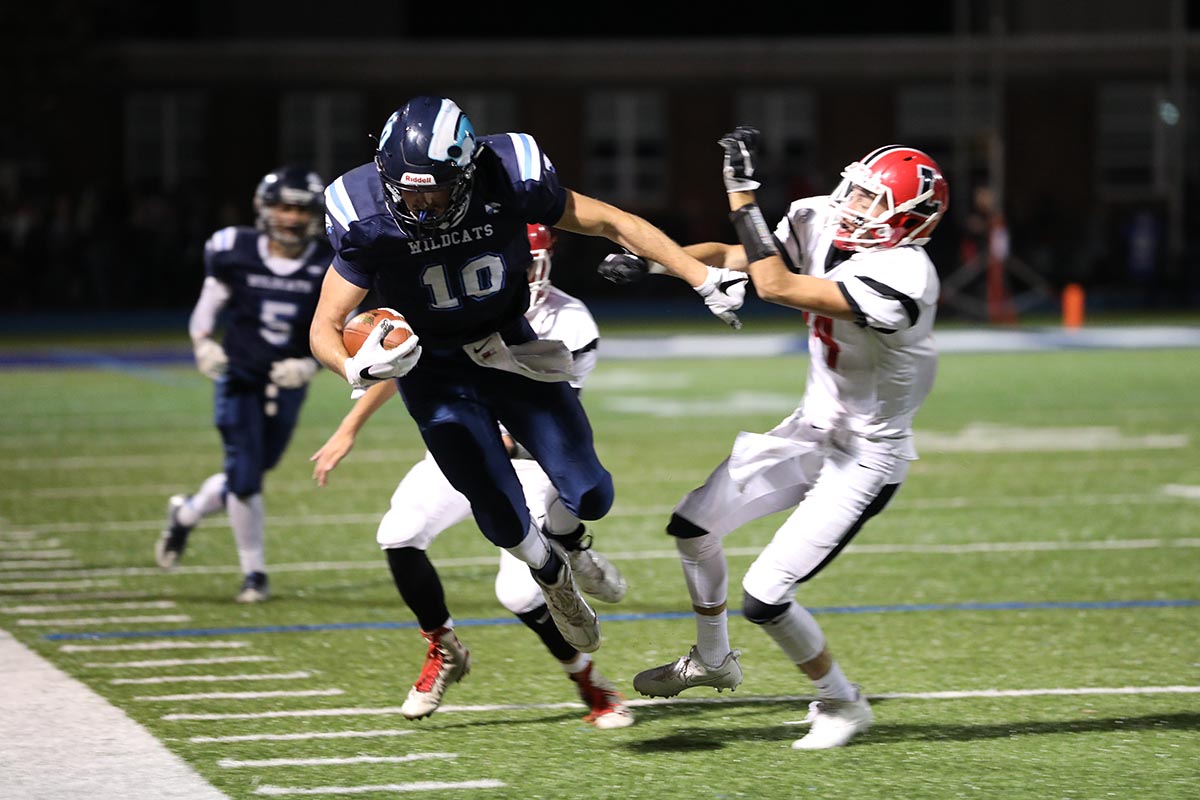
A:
x,y
457,405
254,439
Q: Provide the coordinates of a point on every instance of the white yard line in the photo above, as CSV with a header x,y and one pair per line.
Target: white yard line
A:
x,y
1168,494
232,763
269,676
162,645
86,621
22,586
854,549
177,662
51,609
160,698
950,695
44,555
419,786
40,563
298,737
109,756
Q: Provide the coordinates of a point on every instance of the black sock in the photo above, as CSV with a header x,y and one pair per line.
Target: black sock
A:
x,y
573,540
540,622
419,585
548,572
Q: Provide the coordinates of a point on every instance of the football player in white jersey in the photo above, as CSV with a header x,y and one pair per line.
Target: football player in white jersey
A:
x,y
853,262
425,504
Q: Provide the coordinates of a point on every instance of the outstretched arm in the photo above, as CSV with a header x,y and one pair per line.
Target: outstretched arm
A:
x,y
341,441
653,251
772,280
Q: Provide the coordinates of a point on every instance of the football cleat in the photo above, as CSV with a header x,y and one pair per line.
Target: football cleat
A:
x,y
254,589
607,709
596,575
171,544
688,671
835,722
446,662
573,617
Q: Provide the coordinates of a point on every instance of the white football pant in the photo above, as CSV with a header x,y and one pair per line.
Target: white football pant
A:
x,y
425,504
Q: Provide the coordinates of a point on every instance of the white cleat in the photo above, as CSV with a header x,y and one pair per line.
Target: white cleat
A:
x,y
835,722
573,617
446,662
597,576
606,706
688,671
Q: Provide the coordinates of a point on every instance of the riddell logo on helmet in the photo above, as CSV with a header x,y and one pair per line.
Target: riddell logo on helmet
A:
x,y
417,179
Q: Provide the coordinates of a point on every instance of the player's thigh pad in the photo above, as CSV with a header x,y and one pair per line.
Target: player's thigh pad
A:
x,y
720,506
239,417
549,420
423,505
850,488
278,427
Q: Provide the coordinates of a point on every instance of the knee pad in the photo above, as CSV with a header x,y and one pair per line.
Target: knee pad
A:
x,y
596,502
758,612
680,528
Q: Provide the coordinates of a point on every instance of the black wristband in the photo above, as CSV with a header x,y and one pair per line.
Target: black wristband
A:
x,y
753,233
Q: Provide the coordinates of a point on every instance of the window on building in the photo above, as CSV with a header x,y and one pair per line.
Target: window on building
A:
x,y
164,139
786,120
1132,126
625,161
324,131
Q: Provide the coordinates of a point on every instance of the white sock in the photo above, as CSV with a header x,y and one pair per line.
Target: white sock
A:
x,y
712,637
833,685
247,519
534,550
560,521
578,665
208,500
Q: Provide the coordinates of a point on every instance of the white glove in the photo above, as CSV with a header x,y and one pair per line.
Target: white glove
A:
x,y
374,363
292,373
210,358
724,291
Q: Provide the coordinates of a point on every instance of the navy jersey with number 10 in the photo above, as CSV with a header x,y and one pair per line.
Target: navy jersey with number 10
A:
x,y
460,284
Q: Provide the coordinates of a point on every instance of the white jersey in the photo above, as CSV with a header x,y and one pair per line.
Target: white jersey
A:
x,y
563,317
868,376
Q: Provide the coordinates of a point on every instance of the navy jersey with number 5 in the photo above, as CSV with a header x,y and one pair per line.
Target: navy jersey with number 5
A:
x,y
461,284
271,299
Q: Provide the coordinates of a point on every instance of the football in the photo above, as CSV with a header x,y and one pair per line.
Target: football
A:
x,y
361,324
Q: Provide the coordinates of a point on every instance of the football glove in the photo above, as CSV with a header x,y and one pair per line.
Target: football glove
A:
x,y
292,373
724,291
740,146
625,268
374,363
210,358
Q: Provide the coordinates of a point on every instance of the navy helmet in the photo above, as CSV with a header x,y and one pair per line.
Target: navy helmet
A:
x,y
290,186
427,145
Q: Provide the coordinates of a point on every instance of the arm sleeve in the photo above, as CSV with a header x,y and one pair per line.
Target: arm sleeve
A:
x,y
214,295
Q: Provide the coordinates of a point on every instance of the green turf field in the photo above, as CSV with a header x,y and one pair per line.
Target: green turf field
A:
x,y
1025,614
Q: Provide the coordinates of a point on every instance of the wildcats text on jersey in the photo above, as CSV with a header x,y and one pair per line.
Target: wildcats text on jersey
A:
x,y
449,238
278,284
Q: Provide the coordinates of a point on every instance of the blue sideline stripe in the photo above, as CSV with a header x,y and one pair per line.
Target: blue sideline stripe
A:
x,y
362,626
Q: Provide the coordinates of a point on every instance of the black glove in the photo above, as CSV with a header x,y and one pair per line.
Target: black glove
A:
x,y
624,268
741,150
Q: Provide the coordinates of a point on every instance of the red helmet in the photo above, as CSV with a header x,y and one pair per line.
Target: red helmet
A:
x,y
902,197
541,243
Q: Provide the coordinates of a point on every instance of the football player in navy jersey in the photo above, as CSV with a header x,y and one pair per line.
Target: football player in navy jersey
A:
x,y
261,285
436,224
